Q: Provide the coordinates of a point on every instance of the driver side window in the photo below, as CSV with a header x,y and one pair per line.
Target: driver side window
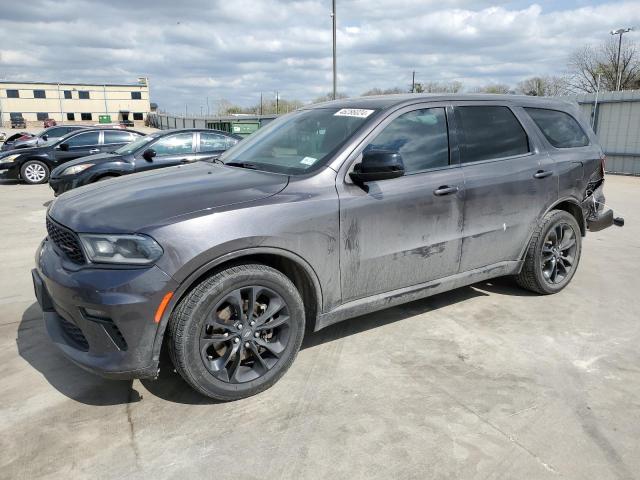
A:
x,y
178,144
420,137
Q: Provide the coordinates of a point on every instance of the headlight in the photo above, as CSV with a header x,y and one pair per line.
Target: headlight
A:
x,y
76,169
124,249
10,158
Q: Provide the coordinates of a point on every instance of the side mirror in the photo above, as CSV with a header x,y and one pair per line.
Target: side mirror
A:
x,y
148,154
377,165
64,147
45,137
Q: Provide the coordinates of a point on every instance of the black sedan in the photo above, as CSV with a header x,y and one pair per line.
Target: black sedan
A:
x,y
26,140
33,165
158,150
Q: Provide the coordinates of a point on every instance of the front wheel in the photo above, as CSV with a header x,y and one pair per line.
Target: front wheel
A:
x,y
34,172
553,254
237,332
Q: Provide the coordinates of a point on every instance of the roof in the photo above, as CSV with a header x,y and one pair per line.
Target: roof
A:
x,y
388,101
89,84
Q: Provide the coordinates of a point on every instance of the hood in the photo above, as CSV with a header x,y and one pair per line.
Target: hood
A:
x,y
136,202
96,159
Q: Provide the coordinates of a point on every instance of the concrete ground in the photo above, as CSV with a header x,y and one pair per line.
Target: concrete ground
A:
x,y
484,382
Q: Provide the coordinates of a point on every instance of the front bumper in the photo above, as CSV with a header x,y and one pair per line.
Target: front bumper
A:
x,y
60,185
101,318
9,170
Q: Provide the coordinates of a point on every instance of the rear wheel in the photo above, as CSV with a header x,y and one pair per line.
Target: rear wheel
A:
x,y
237,332
553,254
34,172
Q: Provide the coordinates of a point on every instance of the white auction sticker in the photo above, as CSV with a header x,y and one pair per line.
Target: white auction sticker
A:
x,y
308,160
353,112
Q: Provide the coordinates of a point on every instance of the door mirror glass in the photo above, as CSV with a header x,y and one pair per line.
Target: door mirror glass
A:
x,y
377,165
148,154
64,147
45,137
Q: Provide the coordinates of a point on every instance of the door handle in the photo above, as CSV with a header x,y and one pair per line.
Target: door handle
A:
x,y
94,150
445,190
185,160
542,174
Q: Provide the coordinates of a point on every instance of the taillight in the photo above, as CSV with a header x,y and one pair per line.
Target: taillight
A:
x,y
603,162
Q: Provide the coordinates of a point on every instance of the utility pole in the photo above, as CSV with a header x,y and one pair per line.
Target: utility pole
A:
x,y
620,32
185,110
207,106
413,82
277,102
260,103
333,19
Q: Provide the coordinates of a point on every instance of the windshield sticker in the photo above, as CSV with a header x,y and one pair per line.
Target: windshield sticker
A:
x,y
353,112
308,160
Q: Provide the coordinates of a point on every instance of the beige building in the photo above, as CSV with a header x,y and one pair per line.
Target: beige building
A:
x,y
73,102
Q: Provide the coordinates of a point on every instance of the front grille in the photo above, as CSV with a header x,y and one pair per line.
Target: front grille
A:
x,y
75,335
65,240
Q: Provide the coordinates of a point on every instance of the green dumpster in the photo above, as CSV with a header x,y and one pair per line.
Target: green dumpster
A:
x,y
244,128
104,118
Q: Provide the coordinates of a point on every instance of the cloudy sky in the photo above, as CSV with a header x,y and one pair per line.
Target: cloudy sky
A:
x,y
192,50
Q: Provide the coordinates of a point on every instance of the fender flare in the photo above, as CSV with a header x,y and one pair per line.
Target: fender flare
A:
x,y
190,280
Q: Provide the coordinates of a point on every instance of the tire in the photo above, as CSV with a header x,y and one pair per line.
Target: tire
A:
x,y
34,172
225,367
550,266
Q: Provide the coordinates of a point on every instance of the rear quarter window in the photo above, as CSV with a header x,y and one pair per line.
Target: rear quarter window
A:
x,y
559,128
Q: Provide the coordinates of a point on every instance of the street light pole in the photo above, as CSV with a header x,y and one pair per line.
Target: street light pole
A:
x,y
333,19
620,32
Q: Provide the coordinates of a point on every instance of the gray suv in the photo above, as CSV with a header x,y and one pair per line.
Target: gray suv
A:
x,y
330,212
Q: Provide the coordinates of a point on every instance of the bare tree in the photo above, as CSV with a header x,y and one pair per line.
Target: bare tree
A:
x,y
589,62
547,86
438,87
493,88
380,91
329,96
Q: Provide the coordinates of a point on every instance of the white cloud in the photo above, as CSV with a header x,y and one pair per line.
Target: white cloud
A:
x,y
235,50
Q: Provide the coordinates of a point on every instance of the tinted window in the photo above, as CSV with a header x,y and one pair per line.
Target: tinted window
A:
x,y
86,116
560,128
83,94
16,115
419,136
82,139
210,142
490,132
136,95
138,116
116,137
42,116
174,144
13,94
67,94
57,131
39,94
71,116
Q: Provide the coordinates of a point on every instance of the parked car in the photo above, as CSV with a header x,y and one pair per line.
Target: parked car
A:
x,y
49,122
329,212
126,123
158,150
33,165
26,140
17,120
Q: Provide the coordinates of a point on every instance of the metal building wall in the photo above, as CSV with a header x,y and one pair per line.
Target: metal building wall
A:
x,y
616,121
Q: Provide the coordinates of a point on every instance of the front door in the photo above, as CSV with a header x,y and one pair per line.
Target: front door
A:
x,y
170,150
403,231
80,145
509,180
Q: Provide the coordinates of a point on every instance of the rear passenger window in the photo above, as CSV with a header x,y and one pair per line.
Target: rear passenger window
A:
x,y
116,137
490,132
420,137
211,142
560,128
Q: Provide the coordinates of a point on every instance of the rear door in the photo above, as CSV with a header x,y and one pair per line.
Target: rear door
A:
x,y
80,145
212,144
114,139
403,231
172,149
508,181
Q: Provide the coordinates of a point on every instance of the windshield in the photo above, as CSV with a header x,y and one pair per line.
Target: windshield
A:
x,y
298,143
129,148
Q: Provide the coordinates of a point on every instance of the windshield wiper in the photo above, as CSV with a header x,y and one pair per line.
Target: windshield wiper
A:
x,y
252,166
